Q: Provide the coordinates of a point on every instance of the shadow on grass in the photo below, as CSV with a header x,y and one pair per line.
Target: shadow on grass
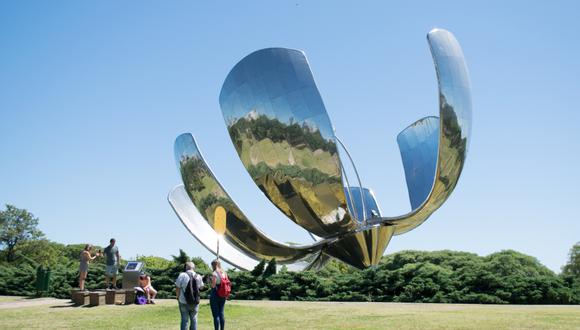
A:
x,y
71,305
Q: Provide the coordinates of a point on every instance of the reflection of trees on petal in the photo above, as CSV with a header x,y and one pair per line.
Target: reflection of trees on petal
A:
x,y
207,194
192,172
283,136
262,127
296,168
456,145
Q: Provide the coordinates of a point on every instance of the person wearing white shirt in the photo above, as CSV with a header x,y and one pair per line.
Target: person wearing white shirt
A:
x,y
188,311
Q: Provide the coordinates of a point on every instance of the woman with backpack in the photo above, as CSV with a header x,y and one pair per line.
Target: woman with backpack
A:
x,y
220,290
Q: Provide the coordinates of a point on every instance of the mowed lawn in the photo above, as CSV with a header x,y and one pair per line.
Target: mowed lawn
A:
x,y
296,315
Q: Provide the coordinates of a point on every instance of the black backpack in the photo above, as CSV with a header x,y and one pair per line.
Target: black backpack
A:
x,y
191,291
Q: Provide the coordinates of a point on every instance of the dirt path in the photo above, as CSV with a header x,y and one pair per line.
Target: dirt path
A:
x,y
19,302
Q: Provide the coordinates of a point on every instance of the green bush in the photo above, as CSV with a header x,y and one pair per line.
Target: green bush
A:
x,y
506,277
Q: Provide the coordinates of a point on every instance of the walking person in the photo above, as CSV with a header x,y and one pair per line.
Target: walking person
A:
x,y
85,258
112,259
220,290
187,288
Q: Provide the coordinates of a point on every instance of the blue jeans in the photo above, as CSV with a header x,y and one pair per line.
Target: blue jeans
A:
x,y
217,304
188,313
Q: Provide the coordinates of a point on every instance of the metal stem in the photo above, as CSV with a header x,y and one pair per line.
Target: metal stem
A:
x,y
362,197
350,193
218,248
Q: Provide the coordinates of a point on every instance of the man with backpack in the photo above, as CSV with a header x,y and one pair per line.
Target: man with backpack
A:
x,y
187,289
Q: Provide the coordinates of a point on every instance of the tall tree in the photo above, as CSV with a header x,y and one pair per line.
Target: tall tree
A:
x,y
259,269
200,266
571,271
17,226
572,267
181,258
271,268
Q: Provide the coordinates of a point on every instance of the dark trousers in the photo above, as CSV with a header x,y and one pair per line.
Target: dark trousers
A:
x,y
217,304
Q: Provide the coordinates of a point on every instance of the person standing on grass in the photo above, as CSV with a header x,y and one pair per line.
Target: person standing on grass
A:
x,y
112,259
216,300
187,288
85,257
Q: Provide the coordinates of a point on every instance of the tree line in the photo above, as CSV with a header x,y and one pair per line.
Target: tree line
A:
x,y
505,277
296,135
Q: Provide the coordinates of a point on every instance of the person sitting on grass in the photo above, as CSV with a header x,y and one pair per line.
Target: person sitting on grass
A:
x,y
145,284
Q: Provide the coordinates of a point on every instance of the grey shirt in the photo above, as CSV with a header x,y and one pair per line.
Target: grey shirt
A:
x,y
182,282
111,255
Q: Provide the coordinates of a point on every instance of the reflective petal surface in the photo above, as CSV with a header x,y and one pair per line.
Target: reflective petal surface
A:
x,y
207,194
371,208
362,248
282,133
418,144
198,226
455,127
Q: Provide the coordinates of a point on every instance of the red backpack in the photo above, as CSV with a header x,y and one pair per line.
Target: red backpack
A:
x,y
225,287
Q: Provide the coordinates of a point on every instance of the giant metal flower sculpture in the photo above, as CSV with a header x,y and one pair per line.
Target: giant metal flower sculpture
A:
x,y
283,135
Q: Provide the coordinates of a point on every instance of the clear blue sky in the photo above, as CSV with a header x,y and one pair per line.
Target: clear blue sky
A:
x,y
93,94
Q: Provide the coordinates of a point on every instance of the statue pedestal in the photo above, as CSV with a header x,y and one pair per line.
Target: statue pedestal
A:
x,y
80,298
129,296
115,297
97,298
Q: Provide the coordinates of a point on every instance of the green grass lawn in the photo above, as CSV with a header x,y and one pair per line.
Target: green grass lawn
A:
x,y
298,315
4,299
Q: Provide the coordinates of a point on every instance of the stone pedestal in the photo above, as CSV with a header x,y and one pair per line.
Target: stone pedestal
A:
x,y
80,297
72,293
97,298
129,296
115,297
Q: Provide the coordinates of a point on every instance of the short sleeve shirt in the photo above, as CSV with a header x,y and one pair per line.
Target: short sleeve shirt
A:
x,y
218,277
111,255
182,282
